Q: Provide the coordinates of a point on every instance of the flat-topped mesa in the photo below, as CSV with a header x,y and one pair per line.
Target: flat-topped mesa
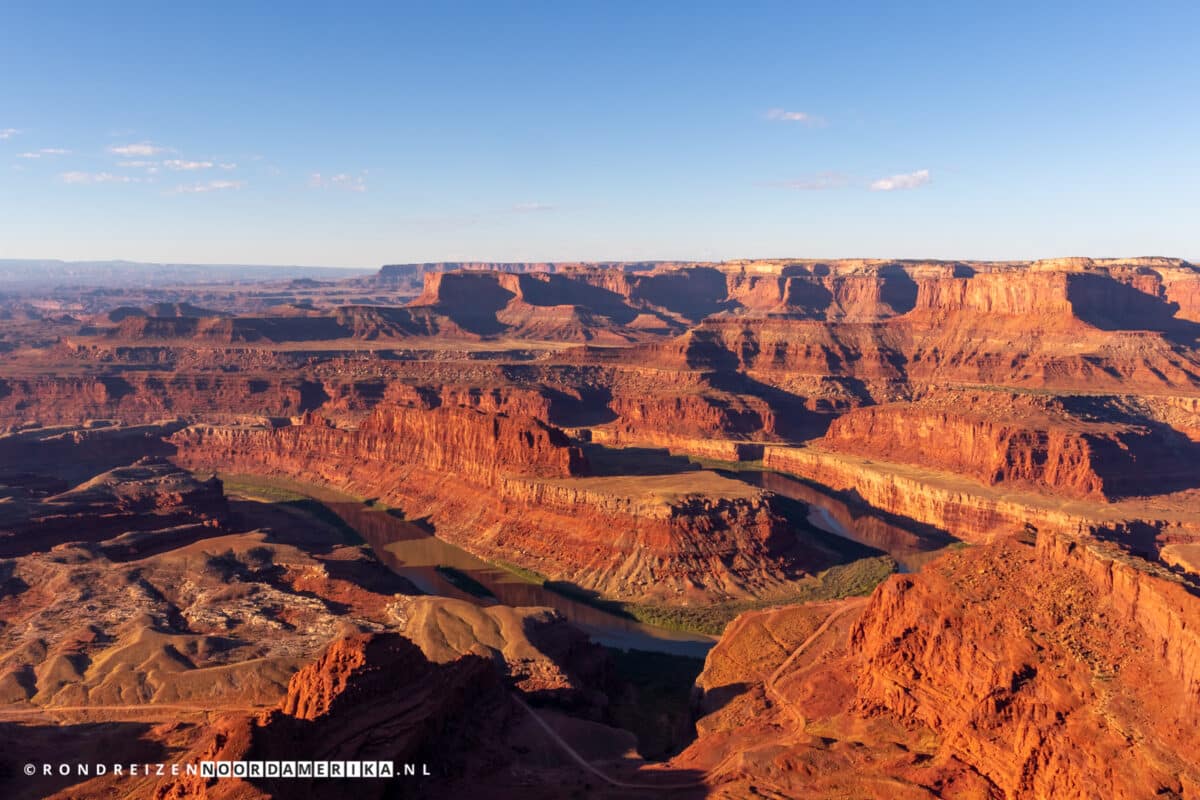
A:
x,y
419,270
694,537
416,271
667,417
819,293
1021,441
1067,293
538,306
1083,264
475,446
996,293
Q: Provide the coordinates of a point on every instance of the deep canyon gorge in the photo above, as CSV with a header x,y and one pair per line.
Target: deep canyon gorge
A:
x,y
758,528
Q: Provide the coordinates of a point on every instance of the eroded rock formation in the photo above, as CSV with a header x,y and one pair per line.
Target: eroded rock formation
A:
x,y
509,488
1061,670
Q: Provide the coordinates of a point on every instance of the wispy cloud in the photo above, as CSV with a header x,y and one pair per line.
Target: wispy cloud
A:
x,y
8,133
179,165
97,177
351,183
230,165
530,208
151,167
211,186
45,151
782,115
139,149
815,183
906,180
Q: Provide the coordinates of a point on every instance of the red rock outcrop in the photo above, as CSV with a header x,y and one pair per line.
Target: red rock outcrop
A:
x,y
1065,670
1021,441
976,513
1070,699
137,396
643,417
367,697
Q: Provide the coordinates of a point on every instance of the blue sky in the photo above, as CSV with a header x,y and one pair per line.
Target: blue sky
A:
x,y
306,134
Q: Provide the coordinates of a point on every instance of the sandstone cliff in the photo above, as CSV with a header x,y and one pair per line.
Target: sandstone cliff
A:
x,y
1000,671
1021,441
508,488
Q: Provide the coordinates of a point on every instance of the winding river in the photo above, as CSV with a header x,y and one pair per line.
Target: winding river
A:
x,y
412,551
911,550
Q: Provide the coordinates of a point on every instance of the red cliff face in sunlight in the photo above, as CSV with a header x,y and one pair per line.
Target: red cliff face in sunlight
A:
x,y
1060,670
1020,441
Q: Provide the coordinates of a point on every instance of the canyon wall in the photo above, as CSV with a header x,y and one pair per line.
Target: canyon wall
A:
x,y
509,488
937,500
1019,441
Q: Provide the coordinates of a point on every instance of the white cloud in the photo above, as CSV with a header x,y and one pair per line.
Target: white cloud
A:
x,y
780,115
151,167
186,166
227,166
45,151
526,208
142,149
211,186
907,180
8,133
97,177
351,183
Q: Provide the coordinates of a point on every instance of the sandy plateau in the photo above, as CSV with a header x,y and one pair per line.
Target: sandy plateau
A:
x,y
935,524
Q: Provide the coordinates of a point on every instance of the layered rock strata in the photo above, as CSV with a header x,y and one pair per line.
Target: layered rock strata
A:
x,y
510,488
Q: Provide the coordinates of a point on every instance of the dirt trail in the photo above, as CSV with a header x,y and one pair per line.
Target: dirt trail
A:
x,y
142,708
769,684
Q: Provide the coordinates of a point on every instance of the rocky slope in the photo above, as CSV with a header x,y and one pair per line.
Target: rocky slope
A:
x,y
134,502
1061,670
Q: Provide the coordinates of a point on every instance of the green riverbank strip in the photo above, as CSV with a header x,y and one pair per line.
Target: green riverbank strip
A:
x,y
858,578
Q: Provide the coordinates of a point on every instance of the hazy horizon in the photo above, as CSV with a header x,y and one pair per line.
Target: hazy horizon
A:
x,y
100,262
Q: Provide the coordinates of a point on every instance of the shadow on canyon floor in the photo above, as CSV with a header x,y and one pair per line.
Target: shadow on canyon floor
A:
x,y
74,745
623,461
